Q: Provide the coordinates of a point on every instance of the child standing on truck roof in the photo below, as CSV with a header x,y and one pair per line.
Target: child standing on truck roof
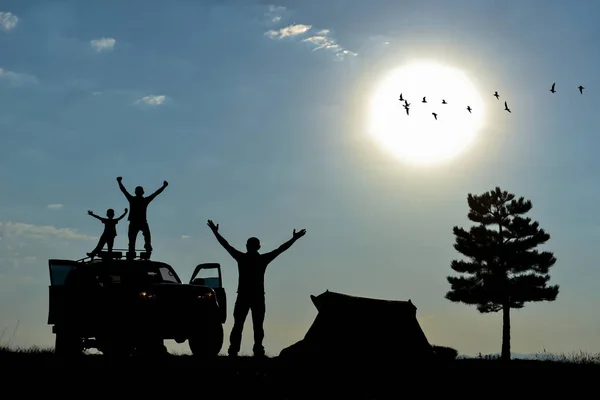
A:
x,y
110,231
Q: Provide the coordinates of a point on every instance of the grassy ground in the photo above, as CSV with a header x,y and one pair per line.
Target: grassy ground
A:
x,y
274,378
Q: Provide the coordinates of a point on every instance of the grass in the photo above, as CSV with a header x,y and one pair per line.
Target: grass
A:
x,y
39,355
447,353
274,378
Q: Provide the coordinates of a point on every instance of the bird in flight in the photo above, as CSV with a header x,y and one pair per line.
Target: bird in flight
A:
x,y
506,107
406,103
580,89
406,108
434,116
496,95
424,101
553,85
444,102
469,109
401,98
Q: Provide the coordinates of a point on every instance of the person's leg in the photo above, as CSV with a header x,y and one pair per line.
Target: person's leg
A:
x,y
132,236
147,237
110,243
240,312
258,319
99,247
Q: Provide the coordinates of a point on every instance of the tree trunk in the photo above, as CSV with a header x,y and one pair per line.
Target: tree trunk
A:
x,y
506,333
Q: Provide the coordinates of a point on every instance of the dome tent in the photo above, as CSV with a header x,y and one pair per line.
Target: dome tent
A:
x,y
351,327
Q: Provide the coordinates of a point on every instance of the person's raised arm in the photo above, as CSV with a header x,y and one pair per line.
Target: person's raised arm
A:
x,y
90,212
122,215
125,192
159,191
295,236
230,249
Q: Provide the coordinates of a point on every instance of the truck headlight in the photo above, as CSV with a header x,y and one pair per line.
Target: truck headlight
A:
x,y
206,296
147,296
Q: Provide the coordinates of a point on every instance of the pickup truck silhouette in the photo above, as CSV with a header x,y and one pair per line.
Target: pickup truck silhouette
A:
x,y
121,307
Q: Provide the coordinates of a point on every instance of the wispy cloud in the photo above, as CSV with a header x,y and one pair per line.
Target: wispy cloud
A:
x,y
380,40
291,30
8,20
17,79
54,206
275,13
103,44
152,100
185,237
20,229
320,40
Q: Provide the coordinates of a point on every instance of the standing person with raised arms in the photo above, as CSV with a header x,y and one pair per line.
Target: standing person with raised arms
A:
x,y
251,287
138,206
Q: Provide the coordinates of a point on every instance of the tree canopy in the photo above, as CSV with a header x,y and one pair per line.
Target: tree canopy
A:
x,y
503,266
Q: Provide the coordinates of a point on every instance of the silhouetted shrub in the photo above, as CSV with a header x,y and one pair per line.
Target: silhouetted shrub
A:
x,y
444,353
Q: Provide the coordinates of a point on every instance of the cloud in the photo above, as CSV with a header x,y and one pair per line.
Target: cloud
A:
x,y
103,44
185,237
380,40
274,13
321,40
8,20
54,206
20,229
152,100
291,30
16,79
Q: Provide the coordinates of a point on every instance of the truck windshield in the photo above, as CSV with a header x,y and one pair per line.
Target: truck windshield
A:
x,y
167,275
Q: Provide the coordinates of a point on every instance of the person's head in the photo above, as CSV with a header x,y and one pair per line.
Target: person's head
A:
x,y
139,191
252,245
110,213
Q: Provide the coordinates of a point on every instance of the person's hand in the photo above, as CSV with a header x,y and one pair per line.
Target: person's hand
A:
x,y
90,212
299,234
165,183
212,226
119,179
126,210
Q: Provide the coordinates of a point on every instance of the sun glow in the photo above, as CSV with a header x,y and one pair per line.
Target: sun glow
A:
x,y
418,138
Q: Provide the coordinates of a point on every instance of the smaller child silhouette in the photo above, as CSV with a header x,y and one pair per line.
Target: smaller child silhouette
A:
x,y
110,231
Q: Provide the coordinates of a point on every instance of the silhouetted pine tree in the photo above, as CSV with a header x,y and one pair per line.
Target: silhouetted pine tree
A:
x,y
504,270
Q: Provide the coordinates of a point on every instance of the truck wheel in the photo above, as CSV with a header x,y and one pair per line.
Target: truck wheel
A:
x,y
116,348
151,347
67,345
207,341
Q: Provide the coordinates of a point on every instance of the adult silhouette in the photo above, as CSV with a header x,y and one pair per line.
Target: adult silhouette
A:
x,y
138,206
251,287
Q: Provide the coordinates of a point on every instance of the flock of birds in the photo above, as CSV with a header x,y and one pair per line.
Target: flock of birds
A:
x,y
406,104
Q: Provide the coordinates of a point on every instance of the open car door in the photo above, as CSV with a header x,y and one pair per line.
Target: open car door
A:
x,y
59,271
213,282
75,293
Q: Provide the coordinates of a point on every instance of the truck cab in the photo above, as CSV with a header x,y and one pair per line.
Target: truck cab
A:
x,y
120,306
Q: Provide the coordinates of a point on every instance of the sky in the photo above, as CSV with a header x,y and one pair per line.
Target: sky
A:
x,y
264,130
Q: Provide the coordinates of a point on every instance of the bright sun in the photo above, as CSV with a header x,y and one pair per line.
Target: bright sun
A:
x,y
419,138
